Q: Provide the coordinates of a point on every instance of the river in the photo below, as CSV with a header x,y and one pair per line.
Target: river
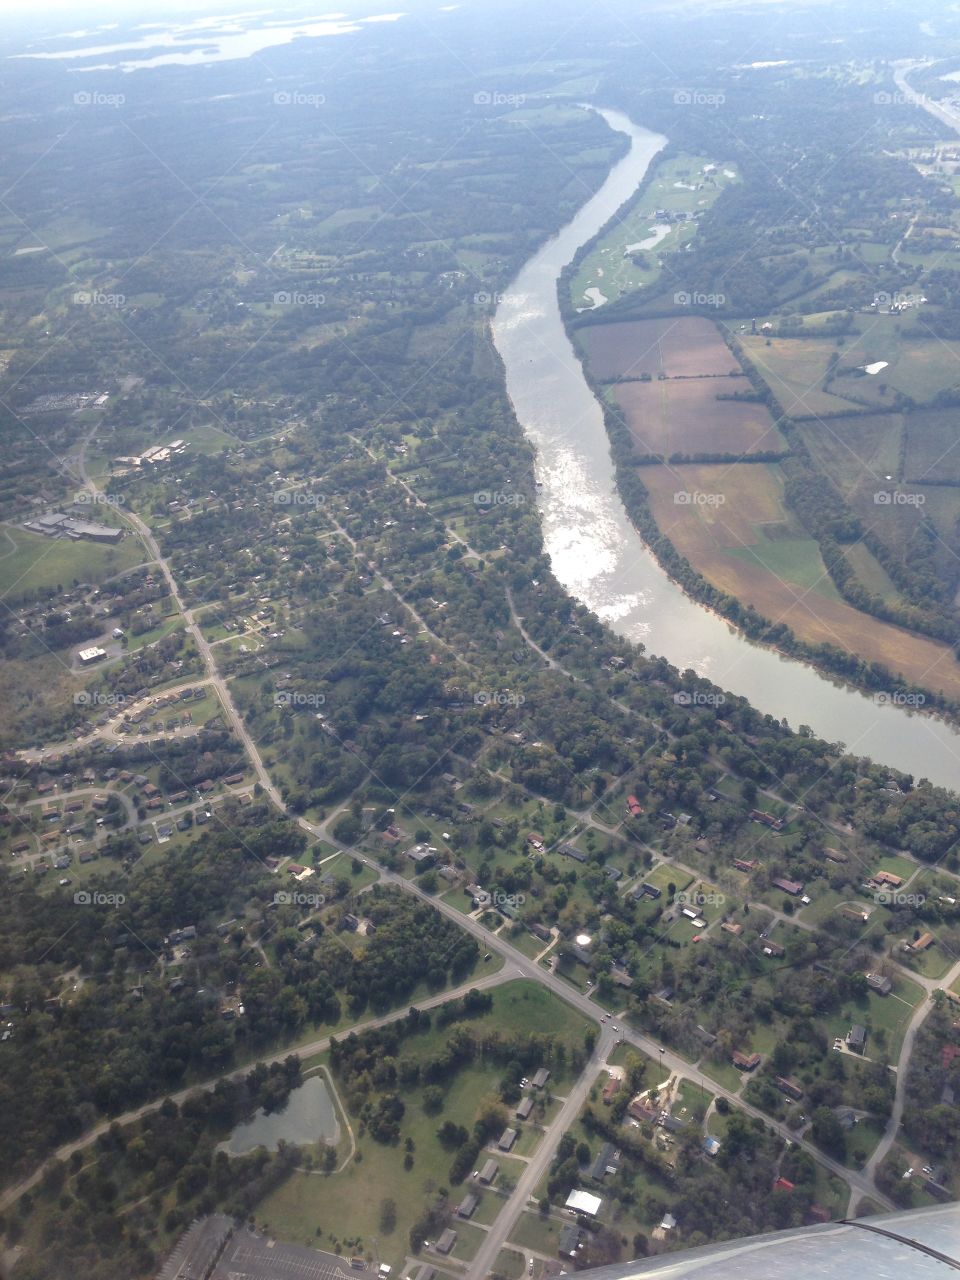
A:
x,y
600,557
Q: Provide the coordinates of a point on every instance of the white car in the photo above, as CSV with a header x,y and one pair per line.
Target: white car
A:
x,y
614,1026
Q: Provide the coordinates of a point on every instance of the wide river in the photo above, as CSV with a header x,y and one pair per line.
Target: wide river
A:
x,y
600,557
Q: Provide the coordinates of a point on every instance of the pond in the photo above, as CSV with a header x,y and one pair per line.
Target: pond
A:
x,y
310,1114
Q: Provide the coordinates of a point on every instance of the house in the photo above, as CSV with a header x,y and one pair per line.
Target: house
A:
x,y
857,1038
523,1110
489,1172
879,983
507,1139
888,879
667,1222
746,864
745,1061
772,948
642,1109
607,1161
922,943
710,1146
611,1089
768,820
467,1206
571,851
620,977
784,1184
731,927
541,931
569,1241
672,1124
834,855
540,1078
846,1116
535,841
650,890
583,1202
787,1085
350,922
706,1038
421,854
853,913
634,807
447,1240
793,887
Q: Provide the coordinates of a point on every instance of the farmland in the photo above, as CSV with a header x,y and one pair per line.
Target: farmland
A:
x,y
745,543
675,346
685,417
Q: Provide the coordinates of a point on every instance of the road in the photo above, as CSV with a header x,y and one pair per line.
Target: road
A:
x,y
485,1259
312,1047
524,967
651,1048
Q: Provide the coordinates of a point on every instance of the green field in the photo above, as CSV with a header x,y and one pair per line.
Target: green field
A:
x,y
29,561
608,266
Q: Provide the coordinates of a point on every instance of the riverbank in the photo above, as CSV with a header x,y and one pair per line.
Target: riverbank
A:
x,y
600,557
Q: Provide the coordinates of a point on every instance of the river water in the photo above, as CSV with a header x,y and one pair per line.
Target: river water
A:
x,y
600,557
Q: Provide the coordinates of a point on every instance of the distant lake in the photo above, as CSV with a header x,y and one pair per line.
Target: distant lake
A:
x,y
308,1116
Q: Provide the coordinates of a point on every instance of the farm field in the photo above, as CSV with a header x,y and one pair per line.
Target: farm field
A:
x,y
795,370
680,347
747,547
627,257
932,447
857,453
685,417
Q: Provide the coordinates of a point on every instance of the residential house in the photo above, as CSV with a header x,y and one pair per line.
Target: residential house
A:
x,y
489,1172
793,887
745,1061
507,1139
879,983
525,1107
857,1038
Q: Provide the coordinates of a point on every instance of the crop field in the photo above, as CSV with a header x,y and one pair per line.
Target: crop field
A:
x,y
858,453
627,257
680,347
684,416
932,447
795,370
747,546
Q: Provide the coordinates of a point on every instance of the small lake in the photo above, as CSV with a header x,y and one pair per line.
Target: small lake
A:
x,y
309,1115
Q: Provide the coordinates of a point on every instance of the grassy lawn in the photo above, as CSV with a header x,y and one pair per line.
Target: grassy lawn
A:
x,y
510,1264
29,561
537,1232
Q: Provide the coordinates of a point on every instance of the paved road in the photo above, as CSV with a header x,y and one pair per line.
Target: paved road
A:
x,y
12,1194
651,1048
485,1259
856,1181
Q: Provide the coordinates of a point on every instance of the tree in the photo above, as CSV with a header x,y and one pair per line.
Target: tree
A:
x,y
388,1217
